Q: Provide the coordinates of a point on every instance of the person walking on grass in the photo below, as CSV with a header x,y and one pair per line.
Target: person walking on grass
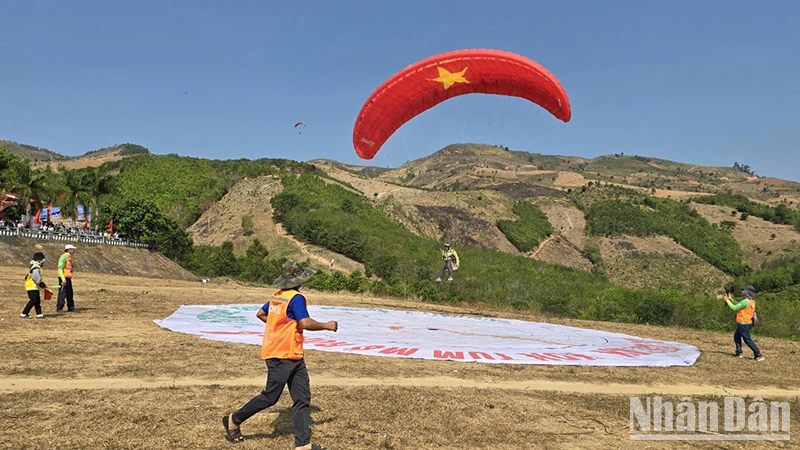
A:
x,y
65,271
286,318
745,319
33,284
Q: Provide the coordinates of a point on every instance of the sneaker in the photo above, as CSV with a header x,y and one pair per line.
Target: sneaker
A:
x,y
40,316
738,355
438,279
449,278
760,358
25,316
60,310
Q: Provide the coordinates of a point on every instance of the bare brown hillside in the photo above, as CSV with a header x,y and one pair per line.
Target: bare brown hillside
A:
x,y
41,157
459,192
466,217
481,166
94,258
223,222
93,160
478,165
760,240
569,242
658,263
365,171
31,152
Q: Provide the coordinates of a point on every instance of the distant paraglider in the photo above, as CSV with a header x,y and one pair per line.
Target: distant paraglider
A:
x,y
431,81
300,124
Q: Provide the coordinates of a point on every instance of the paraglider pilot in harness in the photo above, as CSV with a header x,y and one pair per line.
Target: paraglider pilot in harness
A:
x,y
450,263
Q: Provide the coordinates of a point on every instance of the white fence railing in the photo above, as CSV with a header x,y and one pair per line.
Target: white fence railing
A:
x,y
72,237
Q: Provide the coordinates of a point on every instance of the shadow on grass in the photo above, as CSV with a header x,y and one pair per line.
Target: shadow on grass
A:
x,y
282,425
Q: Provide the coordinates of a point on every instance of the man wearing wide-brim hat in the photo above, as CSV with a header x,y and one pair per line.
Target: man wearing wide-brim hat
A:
x,y
746,317
286,317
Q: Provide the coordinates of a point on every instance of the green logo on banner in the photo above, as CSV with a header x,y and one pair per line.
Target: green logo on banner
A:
x,y
229,314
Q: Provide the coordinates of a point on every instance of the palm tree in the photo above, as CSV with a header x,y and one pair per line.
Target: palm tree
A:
x,y
75,191
100,183
29,184
7,162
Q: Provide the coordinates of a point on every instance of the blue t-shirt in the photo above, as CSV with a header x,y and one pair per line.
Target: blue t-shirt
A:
x,y
296,310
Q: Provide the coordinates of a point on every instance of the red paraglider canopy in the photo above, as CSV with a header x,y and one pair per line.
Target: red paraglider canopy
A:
x,y
298,124
431,81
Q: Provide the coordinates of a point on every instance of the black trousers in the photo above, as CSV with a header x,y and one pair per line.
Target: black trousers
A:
x,y
65,293
34,301
446,264
281,372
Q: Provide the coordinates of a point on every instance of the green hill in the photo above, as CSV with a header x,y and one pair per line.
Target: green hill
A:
x,y
618,237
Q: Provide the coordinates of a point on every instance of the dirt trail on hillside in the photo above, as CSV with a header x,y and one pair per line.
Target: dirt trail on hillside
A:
x,y
27,384
223,222
323,260
569,221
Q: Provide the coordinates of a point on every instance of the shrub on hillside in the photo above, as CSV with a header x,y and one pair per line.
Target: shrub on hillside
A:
x,y
527,232
670,218
780,214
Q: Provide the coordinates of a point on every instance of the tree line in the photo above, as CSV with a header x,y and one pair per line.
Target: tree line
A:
x,y
38,188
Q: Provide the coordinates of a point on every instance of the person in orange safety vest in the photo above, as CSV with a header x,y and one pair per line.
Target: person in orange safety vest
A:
x,y
286,317
745,319
65,271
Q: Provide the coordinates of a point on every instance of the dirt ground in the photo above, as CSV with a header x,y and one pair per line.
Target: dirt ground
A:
x,y
108,377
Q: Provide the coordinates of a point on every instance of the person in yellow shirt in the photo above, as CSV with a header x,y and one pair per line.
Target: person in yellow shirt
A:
x,y
450,263
745,319
286,317
34,284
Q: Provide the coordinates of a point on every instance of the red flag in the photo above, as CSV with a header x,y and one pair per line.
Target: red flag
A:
x,y
110,228
36,219
85,223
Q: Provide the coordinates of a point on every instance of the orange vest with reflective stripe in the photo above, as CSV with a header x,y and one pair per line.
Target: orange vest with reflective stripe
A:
x,y
282,338
68,266
745,315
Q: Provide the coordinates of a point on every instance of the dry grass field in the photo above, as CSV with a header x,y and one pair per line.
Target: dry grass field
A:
x,y
107,377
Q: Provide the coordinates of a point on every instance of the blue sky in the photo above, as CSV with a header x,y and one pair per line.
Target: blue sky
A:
x,y
708,82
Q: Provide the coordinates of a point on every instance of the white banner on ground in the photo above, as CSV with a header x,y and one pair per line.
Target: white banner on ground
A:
x,y
413,334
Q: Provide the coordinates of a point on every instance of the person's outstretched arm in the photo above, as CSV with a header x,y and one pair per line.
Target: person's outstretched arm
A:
x,y
312,325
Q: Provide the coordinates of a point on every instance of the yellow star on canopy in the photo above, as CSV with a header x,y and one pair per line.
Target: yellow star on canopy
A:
x,y
448,78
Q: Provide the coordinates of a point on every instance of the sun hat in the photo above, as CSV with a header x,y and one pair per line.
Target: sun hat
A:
x,y
292,275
